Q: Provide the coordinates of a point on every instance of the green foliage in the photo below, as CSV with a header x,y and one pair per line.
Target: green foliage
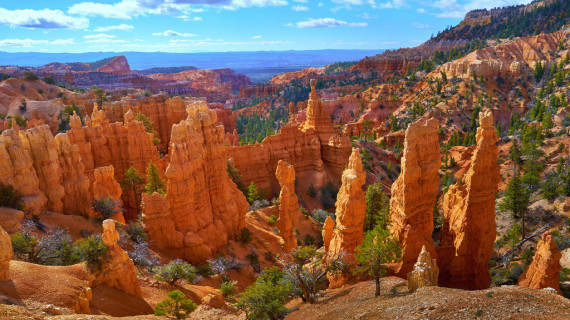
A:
x,y
148,125
533,165
254,128
254,194
516,198
509,23
228,288
328,195
133,182
271,220
234,174
266,297
245,235
339,66
65,114
10,197
550,188
107,207
176,270
377,249
176,305
100,95
377,208
28,75
155,183
48,80
307,268
99,63
538,71
24,244
309,240
136,232
91,250
253,259
511,237
311,191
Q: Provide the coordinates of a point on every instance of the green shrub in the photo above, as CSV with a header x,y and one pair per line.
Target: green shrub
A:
x,y
28,75
10,197
136,232
267,296
48,80
311,191
271,220
245,235
176,306
107,207
92,250
176,270
205,270
228,289
328,195
309,240
253,260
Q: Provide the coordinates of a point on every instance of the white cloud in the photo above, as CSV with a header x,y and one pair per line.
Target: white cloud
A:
x,y
127,9
327,23
452,9
421,10
172,33
45,18
29,43
392,4
121,27
300,8
420,25
99,36
256,37
197,18
301,1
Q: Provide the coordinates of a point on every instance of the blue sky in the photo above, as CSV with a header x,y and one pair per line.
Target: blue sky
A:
x,y
225,25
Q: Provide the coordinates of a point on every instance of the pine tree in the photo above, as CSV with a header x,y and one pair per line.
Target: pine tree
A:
x,y
377,208
516,200
133,182
253,193
154,184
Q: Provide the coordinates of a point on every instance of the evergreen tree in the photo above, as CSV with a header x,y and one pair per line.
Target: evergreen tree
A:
x,y
176,306
155,183
515,154
533,166
134,183
516,200
253,193
377,208
377,249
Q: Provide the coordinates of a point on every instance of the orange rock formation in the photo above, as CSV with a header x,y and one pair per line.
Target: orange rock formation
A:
x,y
414,193
468,233
16,169
205,205
316,150
42,147
350,209
328,229
288,205
5,255
121,145
425,273
118,270
105,186
77,199
544,271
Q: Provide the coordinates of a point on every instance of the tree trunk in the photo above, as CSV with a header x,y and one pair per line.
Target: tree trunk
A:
x,y
377,283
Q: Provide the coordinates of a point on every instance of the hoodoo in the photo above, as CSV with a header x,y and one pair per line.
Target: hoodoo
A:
x,y
288,204
414,193
350,209
544,271
468,233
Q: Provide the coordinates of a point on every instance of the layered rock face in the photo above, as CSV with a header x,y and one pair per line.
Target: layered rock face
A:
x,y
118,65
469,231
205,205
544,271
17,169
162,110
507,59
316,150
121,145
77,199
118,270
43,150
425,273
350,209
414,193
288,205
6,254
